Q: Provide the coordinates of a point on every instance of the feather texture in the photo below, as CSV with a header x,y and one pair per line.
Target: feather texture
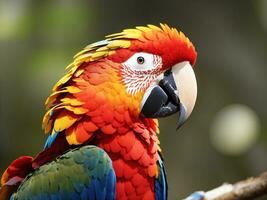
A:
x,y
82,173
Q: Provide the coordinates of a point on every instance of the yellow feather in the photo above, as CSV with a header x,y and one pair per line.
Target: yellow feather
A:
x,y
154,27
131,31
69,66
71,137
175,32
79,80
47,122
73,89
72,101
113,35
63,80
159,149
164,27
143,28
78,72
102,49
182,35
99,54
81,52
129,34
82,58
119,44
76,110
53,97
167,28
53,132
64,121
111,52
157,126
73,69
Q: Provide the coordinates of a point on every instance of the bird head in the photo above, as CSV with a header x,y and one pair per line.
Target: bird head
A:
x,y
157,65
146,71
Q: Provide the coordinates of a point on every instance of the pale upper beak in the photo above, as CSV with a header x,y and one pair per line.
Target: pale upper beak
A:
x,y
186,84
176,91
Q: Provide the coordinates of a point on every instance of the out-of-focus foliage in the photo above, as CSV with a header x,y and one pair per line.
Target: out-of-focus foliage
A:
x,y
39,38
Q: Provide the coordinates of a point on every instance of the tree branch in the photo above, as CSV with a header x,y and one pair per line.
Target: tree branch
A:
x,y
243,190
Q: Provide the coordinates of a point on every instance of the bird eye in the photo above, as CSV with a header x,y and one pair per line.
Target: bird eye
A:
x,y
140,60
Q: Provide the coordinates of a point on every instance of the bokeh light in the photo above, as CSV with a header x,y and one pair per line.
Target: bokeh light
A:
x,y
235,129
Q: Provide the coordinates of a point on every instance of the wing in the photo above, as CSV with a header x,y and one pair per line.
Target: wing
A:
x,y
161,186
83,173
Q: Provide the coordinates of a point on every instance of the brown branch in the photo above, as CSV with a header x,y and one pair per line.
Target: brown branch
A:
x,y
250,188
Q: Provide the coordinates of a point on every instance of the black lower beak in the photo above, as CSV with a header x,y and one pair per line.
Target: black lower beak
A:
x,y
163,100
182,116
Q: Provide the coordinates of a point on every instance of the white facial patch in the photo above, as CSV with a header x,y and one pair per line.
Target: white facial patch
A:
x,y
140,70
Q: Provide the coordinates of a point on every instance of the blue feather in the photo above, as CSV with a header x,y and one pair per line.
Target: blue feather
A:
x,y
111,185
161,186
50,140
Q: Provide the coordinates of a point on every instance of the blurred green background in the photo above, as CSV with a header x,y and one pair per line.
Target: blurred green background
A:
x,y
226,136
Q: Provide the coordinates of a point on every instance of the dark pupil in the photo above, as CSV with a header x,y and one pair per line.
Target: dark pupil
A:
x,y
140,60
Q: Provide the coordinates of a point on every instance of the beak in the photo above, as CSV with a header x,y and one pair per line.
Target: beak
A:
x,y
175,91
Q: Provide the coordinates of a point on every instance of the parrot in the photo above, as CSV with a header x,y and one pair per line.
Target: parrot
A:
x,y
102,120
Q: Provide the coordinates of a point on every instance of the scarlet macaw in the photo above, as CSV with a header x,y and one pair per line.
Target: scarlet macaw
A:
x,y
100,118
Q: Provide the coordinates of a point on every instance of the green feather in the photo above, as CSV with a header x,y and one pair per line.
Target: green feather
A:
x,y
68,174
